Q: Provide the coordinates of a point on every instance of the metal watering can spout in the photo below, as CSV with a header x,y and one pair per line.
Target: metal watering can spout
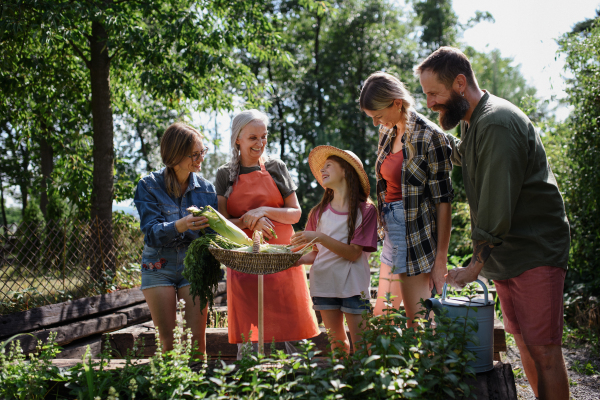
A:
x,y
432,304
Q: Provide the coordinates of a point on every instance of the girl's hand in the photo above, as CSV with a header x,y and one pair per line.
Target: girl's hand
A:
x,y
251,218
304,237
189,222
265,225
299,262
306,259
438,274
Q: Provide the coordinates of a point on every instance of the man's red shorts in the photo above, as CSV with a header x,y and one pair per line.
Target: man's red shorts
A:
x,y
532,305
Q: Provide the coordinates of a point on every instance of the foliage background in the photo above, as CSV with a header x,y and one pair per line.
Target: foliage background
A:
x,y
301,61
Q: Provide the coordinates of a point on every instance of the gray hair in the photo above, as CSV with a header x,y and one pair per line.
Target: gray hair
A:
x,y
379,91
238,123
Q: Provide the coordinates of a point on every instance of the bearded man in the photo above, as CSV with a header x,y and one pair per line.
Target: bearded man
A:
x,y
519,226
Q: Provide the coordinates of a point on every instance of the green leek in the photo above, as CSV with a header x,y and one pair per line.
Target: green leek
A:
x,y
221,225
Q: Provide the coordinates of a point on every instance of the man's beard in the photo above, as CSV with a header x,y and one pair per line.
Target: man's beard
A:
x,y
453,111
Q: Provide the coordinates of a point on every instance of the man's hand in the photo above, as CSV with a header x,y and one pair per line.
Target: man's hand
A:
x,y
459,277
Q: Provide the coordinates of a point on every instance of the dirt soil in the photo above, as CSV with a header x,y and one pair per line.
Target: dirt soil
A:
x,y
584,386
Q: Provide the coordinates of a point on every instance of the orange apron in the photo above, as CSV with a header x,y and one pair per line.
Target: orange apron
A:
x,y
288,313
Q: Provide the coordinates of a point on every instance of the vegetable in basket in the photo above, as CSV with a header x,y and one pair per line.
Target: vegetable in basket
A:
x,y
221,225
259,247
202,269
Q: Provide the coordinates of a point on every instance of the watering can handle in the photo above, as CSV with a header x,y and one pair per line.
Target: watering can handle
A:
x,y
485,291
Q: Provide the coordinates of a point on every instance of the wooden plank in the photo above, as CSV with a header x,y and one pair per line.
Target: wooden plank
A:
x,y
220,299
499,337
217,339
221,288
78,348
136,314
46,316
497,384
112,364
77,330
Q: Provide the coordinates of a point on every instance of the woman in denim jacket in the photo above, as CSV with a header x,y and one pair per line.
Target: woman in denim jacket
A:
x,y
414,192
161,199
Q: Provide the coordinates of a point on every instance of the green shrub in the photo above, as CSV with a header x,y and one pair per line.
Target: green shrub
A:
x,y
582,51
399,364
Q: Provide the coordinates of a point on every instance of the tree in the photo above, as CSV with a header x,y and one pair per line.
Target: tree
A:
x,y
176,51
582,50
41,109
439,23
335,47
499,75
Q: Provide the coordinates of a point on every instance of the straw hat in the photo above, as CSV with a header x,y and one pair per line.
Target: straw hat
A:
x,y
320,154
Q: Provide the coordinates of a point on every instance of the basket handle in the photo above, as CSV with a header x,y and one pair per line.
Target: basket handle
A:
x,y
256,236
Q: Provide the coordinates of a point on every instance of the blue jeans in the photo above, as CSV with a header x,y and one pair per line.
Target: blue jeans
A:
x,y
394,251
351,305
163,266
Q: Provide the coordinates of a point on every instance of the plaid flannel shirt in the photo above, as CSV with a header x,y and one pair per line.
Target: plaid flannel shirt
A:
x,y
425,183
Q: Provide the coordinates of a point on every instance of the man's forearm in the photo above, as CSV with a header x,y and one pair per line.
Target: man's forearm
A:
x,y
481,252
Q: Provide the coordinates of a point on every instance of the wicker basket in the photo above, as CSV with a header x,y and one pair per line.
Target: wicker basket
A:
x,y
255,263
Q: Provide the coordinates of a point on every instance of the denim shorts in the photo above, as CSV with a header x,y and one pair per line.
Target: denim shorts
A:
x,y
351,305
163,266
394,251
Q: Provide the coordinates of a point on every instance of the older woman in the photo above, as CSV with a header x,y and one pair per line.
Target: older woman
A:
x,y
161,199
257,193
413,194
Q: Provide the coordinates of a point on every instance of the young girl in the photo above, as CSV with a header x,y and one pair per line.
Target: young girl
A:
x,y
344,228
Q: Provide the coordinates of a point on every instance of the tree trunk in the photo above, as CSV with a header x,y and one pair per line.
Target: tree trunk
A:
x,y
4,221
24,178
139,129
278,104
317,78
103,153
47,165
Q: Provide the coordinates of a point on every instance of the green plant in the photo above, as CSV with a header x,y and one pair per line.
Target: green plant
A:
x,y
460,236
519,373
399,364
582,61
585,369
28,379
202,269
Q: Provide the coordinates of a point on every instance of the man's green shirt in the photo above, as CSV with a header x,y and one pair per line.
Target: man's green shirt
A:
x,y
513,195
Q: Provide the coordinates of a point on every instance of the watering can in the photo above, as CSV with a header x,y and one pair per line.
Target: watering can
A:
x,y
457,307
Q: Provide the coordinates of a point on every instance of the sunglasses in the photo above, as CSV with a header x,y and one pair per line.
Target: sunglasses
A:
x,y
196,156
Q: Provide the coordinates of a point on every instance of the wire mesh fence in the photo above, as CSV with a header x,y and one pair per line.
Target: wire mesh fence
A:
x,y
54,261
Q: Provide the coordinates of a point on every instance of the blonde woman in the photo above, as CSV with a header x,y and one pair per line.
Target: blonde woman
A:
x,y
257,193
161,199
413,194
